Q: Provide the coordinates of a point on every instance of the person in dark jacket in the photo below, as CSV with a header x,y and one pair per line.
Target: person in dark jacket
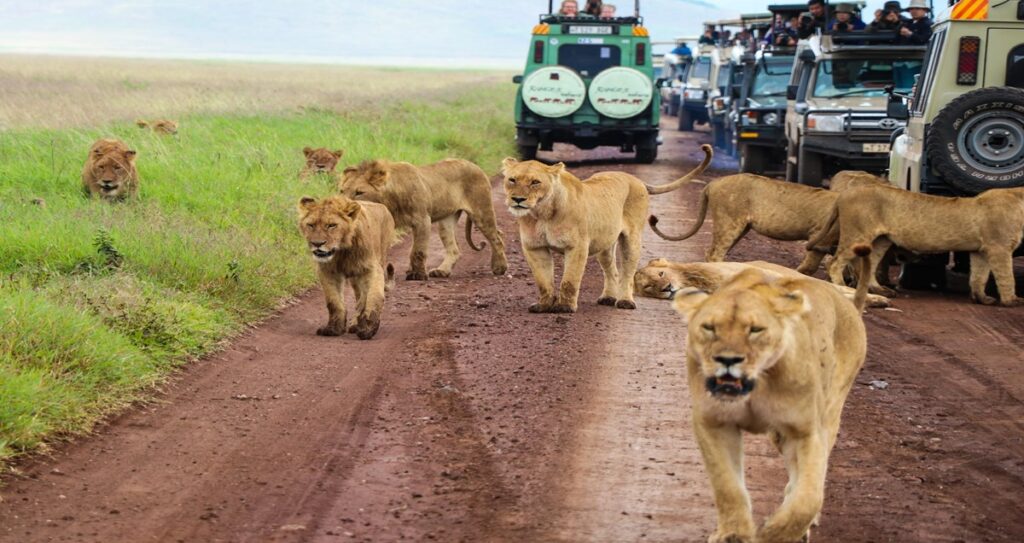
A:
x,y
890,21
918,30
845,19
813,21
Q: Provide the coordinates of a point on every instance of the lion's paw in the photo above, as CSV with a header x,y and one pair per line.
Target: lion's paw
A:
x,y
984,300
367,328
438,272
625,304
729,538
882,291
1012,302
329,331
606,300
562,308
415,276
499,269
540,308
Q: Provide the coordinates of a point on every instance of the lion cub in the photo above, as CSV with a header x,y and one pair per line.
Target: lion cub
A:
x,y
320,160
419,195
109,170
349,242
559,213
777,355
166,127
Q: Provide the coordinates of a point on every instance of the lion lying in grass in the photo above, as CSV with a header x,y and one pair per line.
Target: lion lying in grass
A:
x,y
777,355
166,127
420,195
558,213
320,161
776,209
109,170
661,278
988,226
349,242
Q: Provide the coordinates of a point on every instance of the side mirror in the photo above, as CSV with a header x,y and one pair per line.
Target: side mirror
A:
x,y
897,110
807,55
801,107
791,92
517,79
660,82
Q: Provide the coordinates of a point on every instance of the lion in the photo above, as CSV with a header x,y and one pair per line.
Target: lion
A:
x,y
109,170
848,179
774,355
320,161
558,213
349,241
420,195
166,127
661,278
988,226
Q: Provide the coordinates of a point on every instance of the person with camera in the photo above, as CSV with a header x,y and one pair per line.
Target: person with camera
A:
x,y
814,20
890,21
917,30
783,34
845,19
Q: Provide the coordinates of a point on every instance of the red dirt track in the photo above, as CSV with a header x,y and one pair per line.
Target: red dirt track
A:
x,y
469,419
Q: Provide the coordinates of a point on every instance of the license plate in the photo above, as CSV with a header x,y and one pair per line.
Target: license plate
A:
x,y
749,134
576,29
876,148
591,41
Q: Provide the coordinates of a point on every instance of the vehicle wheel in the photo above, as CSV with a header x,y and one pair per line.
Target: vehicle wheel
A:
x,y
928,273
976,142
685,121
673,106
753,159
527,152
808,168
717,136
646,155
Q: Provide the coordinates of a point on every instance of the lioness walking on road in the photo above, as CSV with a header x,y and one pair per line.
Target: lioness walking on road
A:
x,y
419,195
558,213
777,355
349,241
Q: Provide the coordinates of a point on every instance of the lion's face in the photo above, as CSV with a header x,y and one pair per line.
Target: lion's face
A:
x,y
527,184
329,225
322,160
656,282
112,172
166,126
364,182
739,332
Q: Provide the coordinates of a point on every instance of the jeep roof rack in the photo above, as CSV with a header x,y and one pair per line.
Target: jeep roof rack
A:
x,y
787,10
552,17
858,40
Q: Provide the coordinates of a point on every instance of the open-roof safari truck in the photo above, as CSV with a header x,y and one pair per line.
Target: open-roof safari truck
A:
x,y
965,117
836,110
588,82
724,96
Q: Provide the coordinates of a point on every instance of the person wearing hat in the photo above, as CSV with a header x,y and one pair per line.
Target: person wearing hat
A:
x,y
845,20
918,30
813,20
891,21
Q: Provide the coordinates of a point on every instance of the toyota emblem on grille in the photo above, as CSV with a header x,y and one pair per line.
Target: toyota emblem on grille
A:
x,y
888,124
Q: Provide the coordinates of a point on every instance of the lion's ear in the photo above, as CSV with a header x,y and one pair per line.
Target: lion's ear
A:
x,y
790,303
339,153
130,154
687,300
507,164
141,124
658,262
352,209
306,204
307,151
379,175
557,169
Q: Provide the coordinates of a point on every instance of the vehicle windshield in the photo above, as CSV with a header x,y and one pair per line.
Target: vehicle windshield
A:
x,y
589,60
864,77
723,76
771,77
701,68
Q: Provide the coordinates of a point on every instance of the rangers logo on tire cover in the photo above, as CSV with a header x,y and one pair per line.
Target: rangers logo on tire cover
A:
x,y
554,91
621,93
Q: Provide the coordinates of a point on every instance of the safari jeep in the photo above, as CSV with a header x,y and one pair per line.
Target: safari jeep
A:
x,y
674,69
588,82
965,124
836,103
720,100
693,107
762,108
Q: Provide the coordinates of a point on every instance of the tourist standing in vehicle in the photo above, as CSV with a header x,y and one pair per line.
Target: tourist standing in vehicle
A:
x,y
607,11
845,20
593,7
569,8
783,33
682,50
918,30
890,21
710,37
814,20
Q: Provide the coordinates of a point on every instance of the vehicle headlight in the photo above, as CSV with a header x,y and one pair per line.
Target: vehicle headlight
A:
x,y
693,94
825,123
770,118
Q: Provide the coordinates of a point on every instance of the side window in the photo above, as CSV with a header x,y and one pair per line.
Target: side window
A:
x,y
1015,67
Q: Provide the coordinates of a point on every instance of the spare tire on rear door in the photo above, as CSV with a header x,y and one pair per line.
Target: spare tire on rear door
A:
x,y
976,142
621,93
554,91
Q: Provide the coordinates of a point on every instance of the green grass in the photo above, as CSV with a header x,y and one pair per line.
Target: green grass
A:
x,y
99,301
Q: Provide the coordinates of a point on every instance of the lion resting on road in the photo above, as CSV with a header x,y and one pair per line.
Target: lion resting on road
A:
x,y
320,160
160,126
349,242
558,213
419,195
988,226
776,355
661,278
109,170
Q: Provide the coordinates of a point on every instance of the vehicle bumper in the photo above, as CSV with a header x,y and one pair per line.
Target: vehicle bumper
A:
x,y
697,108
761,135
849,148
584,136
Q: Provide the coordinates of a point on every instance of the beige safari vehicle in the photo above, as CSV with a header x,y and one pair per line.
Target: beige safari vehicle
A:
x,y
836,112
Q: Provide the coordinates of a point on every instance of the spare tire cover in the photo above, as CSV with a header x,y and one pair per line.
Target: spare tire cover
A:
x,y
554,91
621,92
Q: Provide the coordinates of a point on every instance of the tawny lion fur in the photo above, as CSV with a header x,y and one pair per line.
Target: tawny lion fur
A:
x,y
320,161
558,213
160,126
349,241
109,171
776,355
988,226
420,195
661,278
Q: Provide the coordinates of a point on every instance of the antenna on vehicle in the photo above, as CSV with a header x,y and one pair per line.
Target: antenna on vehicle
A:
x,y
636,9
551,6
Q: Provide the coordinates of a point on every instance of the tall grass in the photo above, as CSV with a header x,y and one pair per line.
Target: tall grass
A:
x,y
100,301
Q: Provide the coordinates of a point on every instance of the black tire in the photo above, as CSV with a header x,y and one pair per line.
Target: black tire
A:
x,y
754,159
646,155
976,142
928,273
809,168
685,121
718,136
673,106
527,152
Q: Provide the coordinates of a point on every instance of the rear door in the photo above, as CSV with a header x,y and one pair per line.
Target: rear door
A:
x,y
1004,57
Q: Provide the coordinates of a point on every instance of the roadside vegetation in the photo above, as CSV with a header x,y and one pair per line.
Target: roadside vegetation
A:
x,y
99,301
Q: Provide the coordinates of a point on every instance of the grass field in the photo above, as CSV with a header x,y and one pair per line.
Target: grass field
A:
x,y
99,302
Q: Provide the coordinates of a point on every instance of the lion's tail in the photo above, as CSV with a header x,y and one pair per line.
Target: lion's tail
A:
x,y
861,295
469,234
389,277
827,232
661,189
653,220
141,123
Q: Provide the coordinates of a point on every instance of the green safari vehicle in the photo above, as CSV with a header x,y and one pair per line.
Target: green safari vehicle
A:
x,y
588,82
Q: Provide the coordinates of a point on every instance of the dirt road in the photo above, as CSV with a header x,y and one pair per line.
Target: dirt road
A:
x,y
468,419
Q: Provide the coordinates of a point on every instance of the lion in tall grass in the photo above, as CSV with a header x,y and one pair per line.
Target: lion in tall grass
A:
x,y
166,127
109,170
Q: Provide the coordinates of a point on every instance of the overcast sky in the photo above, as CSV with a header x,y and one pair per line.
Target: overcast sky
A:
x,y
374,32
